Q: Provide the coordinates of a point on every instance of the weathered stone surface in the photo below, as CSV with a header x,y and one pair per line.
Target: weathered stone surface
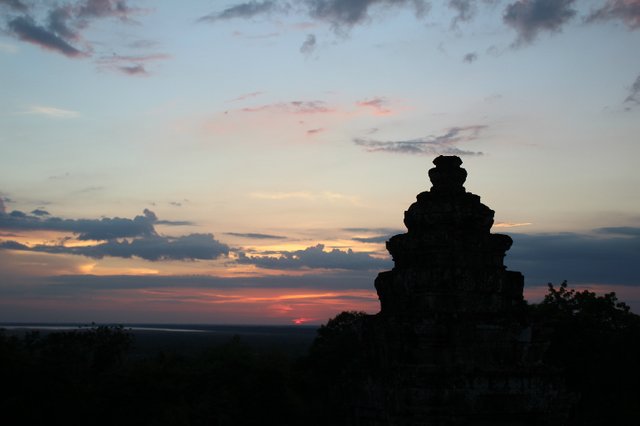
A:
x,y
450,345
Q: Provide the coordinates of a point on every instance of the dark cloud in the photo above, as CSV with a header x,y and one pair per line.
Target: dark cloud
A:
x,y
628,231
316,257
343,15
40,212
634,92
246,10
86,229
150,247
610,256
309,45
429,145
26,29
628,11
103,9
529,17
340,14
465,10
16,5
59,18
133,69
256,236
61,26
470,57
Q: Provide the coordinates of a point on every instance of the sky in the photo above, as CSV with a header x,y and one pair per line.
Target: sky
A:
x,y
243,162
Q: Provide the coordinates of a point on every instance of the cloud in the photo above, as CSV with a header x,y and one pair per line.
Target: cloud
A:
x,y
40,212
86,229
51,112
104,8
327,280
470,57
293,107
149,247
610,256
317,258
529,17
627,11
130,64
340,14
465,11
246,96
27,30
428,145
256,236
378,105
61,26
3,209
376,239
315,131
634,92
246,10
510,224
627,231
343,15
16,5
309,45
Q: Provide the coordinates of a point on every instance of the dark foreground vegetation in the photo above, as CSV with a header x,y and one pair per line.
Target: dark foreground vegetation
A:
x,y
90,377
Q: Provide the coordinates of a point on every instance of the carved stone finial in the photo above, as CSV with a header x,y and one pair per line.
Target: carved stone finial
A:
x,y
447,176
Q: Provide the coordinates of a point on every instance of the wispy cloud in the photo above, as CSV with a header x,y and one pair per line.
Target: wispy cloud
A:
x,y
378,105
247,10
51,111
293,107
130,64
510,224
628,11
428,145
309,45
311,132
634,92
530,17
306,195
246,96
256,236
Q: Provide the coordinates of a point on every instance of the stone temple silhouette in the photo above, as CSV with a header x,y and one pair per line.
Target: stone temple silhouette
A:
x,y
450,345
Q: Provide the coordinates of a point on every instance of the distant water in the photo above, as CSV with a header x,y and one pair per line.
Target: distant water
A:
x,y
170,328
192,338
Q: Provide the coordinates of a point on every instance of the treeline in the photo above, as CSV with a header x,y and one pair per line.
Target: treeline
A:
x,y
87,376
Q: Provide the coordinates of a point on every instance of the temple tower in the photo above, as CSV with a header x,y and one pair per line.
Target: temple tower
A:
x,y
450,345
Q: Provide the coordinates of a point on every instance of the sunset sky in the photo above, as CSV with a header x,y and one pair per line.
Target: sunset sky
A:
x,y
239,162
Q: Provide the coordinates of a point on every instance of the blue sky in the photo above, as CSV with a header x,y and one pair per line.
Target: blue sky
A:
x,y
243,162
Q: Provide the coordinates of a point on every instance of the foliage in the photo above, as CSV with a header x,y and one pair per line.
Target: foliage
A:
x,y
595,340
